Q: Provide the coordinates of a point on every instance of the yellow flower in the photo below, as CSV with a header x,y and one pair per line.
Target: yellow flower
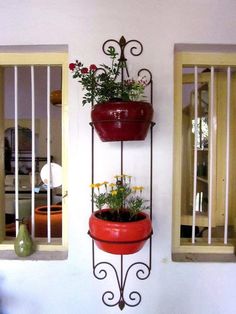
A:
x,y
95,185
138,188
122,176
111,185
105,183
113,193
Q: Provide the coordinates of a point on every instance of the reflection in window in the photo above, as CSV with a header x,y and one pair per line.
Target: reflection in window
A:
x,y
202,132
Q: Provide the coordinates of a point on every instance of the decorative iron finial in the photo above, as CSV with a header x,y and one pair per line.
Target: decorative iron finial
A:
x,y
135,50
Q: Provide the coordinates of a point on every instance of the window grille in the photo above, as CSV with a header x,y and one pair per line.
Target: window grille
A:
x,y
32,128
204,198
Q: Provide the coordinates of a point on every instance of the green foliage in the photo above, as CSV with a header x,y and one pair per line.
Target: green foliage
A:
x,y
119,196
101,83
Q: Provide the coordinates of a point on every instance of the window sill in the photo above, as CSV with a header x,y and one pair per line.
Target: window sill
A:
x,y
44,251
203,257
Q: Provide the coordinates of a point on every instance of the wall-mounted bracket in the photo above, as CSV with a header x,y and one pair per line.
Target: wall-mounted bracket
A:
x,y
140,269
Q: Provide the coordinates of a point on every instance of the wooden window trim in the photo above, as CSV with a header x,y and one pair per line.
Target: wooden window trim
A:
x,y
192,252
52,250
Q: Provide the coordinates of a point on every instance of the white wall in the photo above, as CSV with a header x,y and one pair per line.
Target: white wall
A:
x,y
68,287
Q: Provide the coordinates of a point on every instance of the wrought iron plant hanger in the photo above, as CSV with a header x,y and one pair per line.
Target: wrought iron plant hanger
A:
x,y
141,269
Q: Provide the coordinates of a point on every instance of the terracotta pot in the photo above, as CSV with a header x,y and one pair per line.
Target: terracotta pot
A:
x,y
122,120
120,237
55,98
41,221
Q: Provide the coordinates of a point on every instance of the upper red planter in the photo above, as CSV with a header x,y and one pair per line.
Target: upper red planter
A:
x,y
120,237
122,120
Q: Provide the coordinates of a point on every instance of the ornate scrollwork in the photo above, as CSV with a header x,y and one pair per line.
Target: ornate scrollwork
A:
x,y
147,74
136,49
102,273
142,274
108,296
134,297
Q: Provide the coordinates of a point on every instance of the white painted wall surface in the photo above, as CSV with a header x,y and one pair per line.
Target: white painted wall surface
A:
x,y
68,287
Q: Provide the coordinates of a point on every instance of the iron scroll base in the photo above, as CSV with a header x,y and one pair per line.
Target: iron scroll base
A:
x,y
133,298
142,270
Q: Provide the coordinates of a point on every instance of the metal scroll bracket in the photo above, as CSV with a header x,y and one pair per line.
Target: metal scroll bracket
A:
x,y
101,269
121,297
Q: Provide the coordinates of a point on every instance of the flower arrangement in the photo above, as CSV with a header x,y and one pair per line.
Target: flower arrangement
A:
x,y
124,201
100,82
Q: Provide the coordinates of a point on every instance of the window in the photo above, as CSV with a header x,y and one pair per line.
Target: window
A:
x,y
204,190
33,140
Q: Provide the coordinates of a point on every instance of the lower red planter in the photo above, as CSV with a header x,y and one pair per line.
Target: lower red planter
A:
x,y
120,237
41,221
122,120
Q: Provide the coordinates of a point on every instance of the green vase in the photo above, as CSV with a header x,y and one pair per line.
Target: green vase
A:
x,y
23,243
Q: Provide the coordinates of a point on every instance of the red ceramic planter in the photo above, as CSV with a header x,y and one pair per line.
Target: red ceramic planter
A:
x,y
41,221
120,237
122,120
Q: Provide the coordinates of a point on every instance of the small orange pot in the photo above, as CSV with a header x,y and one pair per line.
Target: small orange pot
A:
x,y
41,221
120,237
55,97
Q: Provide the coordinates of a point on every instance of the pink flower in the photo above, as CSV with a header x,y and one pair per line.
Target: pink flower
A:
x,y
92,67
72,66
84,70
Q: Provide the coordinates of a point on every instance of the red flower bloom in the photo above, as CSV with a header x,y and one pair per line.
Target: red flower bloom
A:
x,y
84,70
72,66
92,67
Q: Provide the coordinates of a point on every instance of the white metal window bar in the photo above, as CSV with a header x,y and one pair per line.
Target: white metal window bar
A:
x,y
16,147
33,151
48,157
195,151
210,140
227,157
196,196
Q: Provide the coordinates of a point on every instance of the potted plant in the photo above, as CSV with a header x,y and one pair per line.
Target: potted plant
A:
x,y
118,113
119,226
